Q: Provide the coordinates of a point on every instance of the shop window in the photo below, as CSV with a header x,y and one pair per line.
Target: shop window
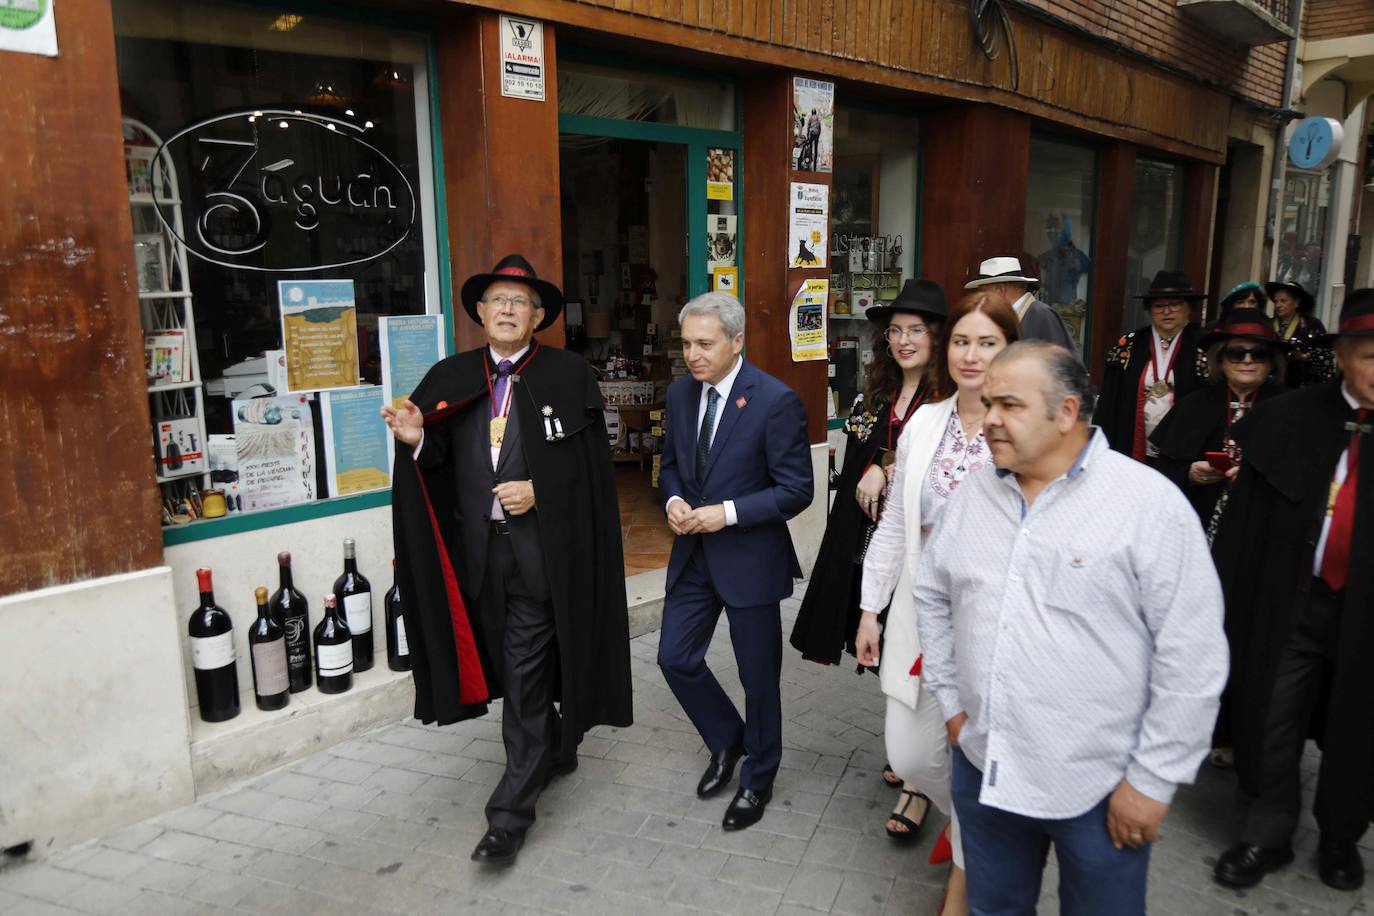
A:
x,y
654,97
1061,200
1157,207
872,235
1302,229
296,165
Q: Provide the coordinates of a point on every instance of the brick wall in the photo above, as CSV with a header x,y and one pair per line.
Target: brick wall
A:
x,y
1157,29
1337,18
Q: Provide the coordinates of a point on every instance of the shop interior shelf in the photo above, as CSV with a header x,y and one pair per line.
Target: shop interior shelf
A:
x,y
174,386
180,475
165,294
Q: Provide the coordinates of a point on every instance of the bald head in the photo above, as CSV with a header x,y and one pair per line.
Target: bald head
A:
x,y
1063,375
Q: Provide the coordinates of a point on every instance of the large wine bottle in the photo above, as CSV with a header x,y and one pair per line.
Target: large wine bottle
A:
x,y
333,650
397,646
290,609
354,595
267,649
212,656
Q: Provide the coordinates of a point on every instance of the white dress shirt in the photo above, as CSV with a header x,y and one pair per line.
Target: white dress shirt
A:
x,y
1337,480
1082,634
723,390
1157,407
1022,305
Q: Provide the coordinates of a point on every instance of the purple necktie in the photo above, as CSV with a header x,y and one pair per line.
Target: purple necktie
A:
x,y
498,391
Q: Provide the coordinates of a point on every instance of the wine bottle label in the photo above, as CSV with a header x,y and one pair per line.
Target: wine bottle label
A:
x,y
359,611
269,667
334,660
402,644
209,653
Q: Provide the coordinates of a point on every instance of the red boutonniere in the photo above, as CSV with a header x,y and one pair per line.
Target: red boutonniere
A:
x,y
441,405
740,402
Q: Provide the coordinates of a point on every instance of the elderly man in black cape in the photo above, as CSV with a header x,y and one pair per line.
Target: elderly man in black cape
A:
x,y
508,547
1294,553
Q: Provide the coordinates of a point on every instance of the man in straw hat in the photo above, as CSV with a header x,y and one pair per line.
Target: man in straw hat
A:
x,y
508,547
1294,553
1151,368
1038,320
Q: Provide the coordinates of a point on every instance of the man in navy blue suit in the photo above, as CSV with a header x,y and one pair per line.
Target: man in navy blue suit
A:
x,y
736,466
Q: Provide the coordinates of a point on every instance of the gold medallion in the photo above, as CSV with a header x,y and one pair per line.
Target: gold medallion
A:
x,y
498,431
1158,389
888,460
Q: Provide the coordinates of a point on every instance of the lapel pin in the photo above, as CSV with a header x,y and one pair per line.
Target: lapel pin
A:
x,y
547,411
441,405
740,402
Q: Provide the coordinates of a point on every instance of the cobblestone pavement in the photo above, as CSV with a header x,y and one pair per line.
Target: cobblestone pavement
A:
x,y
384,823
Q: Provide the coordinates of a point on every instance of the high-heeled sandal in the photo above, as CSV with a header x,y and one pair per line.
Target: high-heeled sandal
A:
x,y
943,851
899,815
890,778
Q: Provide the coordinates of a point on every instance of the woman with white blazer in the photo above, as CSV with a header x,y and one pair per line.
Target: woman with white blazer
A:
x,y
942,444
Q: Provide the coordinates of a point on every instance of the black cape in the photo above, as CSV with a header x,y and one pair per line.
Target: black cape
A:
x,y
579,530
1264,552
1126,362
1197,425
1312,361
829,615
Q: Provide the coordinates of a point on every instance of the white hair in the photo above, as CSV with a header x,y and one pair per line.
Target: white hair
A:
x,y
725,307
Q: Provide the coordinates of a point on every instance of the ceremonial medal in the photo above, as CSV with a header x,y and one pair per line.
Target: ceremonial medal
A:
x,y
1158,389
889,459
498,431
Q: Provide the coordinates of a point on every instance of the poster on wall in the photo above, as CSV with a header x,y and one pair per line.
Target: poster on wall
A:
x,y
720,241
410,345
522,58
275,439
725,280
28,26
720,174
319,332
813,125
807,323
356,455
810,225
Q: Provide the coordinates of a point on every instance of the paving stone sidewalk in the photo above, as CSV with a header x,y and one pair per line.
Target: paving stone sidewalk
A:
x,y
384,823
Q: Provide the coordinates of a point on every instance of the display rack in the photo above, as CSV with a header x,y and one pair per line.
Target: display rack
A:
x,y
165,305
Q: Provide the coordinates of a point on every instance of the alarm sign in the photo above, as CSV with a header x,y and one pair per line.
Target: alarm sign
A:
x,y
1316,143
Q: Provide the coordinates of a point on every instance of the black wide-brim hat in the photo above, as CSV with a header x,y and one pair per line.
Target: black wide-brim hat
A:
x,y
513,268
1172,284
1245,324
1357,317
1306,301
919,296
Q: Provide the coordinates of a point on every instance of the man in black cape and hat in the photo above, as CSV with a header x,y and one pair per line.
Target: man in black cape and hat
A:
x,y
1150,369
508,553
1294,553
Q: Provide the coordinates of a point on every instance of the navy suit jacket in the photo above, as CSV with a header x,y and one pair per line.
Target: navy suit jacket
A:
x,y
760,459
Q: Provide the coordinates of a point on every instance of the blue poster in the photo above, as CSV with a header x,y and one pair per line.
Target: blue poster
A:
x,y
410,345
355,440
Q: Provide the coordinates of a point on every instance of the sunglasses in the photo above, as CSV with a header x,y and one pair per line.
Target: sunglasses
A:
x,y
1238,354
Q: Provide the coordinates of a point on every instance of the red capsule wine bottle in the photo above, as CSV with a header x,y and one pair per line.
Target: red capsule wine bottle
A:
x,y
267,651
397,647
333,650
290,609
354,596
212,656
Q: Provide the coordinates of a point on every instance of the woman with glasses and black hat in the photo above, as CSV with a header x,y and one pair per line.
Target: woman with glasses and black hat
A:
x,y
1312,361
1246,362
901,378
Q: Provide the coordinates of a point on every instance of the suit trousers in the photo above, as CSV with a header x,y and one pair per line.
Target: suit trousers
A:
x,y
529,723
1269,818
690,613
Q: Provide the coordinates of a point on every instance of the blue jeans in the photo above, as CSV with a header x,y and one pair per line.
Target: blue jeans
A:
x,y
1005,856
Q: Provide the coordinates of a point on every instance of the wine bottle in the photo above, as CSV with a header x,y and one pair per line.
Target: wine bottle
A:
x,y
267,652
333,650
397,647
290,609
354,594
212,656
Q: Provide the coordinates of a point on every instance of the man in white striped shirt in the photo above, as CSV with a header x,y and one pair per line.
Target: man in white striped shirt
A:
x,y
1072,626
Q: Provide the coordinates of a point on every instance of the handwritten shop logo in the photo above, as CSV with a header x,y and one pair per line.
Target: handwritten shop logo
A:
x,y
284,190
521,32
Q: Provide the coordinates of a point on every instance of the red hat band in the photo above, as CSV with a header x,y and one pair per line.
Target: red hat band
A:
x,y
1247,328
514,272
1356,323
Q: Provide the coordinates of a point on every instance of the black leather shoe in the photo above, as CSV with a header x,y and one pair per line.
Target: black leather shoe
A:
x,y
719,771
498,847
1245,865
746,808
1339,864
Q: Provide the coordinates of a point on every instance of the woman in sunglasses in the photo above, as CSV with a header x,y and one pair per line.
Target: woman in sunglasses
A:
x,y
1246,362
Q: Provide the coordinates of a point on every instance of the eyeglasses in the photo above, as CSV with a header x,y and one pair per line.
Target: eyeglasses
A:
x,y
502,300
894,333
1168,305
1238,354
